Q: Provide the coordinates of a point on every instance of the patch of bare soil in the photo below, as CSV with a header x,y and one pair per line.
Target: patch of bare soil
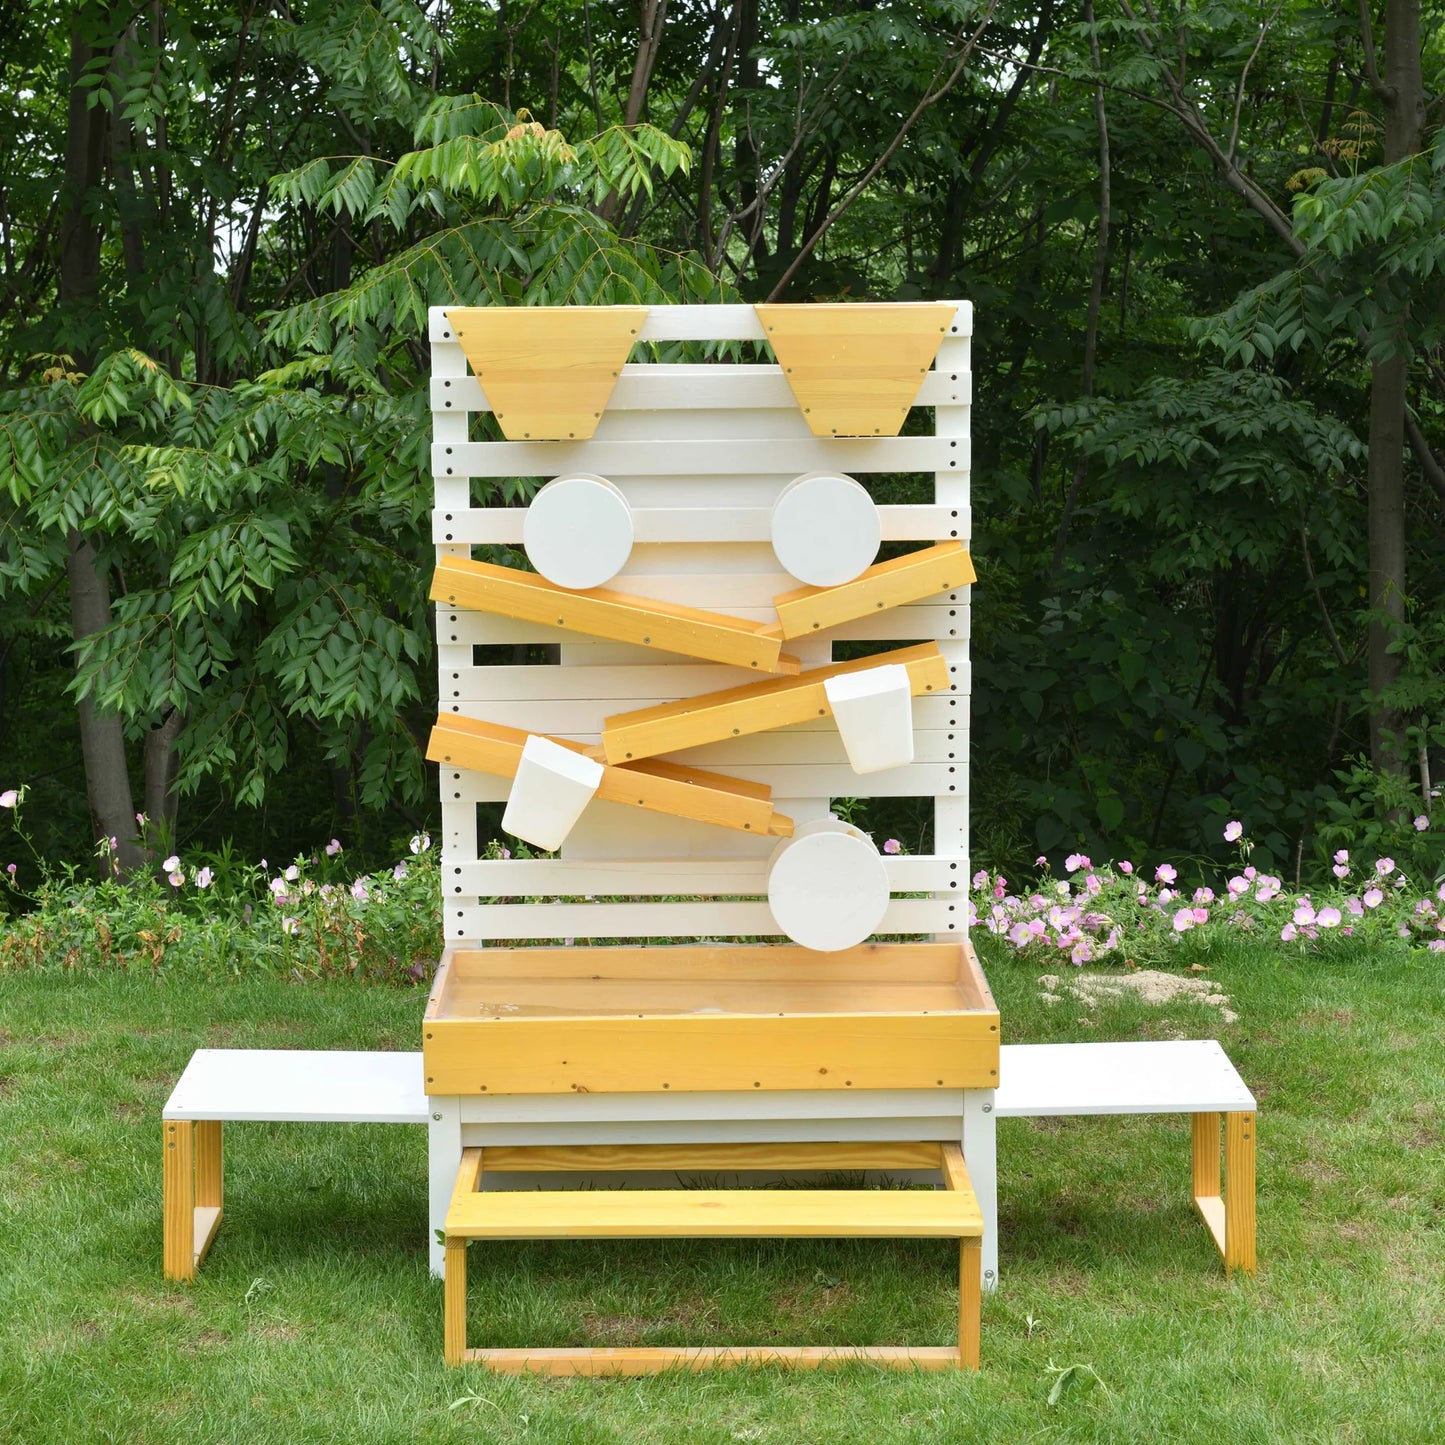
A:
x,y
1151,985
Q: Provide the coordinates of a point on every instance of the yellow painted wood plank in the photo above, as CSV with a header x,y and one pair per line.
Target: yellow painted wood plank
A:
x,y
955,1171
777,1156
1239,1192
617,616
886,584
694,1052
855,368
970,1301
454,1301
178,1196
753,708
660,1359
713,1214
669,788
1204,1154
208,1163
548,371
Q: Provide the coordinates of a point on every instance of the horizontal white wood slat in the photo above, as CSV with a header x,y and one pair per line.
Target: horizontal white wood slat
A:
x,y
651,878
809,1109
492,526
712,919
918,780
699,458
650,387
702,322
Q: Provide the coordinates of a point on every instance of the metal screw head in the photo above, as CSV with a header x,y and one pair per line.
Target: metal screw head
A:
x,y
988,1108
437,1117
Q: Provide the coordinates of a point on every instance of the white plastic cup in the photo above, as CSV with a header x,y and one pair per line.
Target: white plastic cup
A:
x,y
552,787
874,713
827,886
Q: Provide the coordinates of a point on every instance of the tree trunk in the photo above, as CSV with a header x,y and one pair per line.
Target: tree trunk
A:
x,y
102,740
1401,93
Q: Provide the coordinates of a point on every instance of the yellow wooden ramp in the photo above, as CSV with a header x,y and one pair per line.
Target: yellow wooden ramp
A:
x,y
950,1213
617,616
886,584
753,708
681,792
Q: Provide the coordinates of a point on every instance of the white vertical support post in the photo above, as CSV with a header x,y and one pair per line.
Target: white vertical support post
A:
x,y
444,1158
980,1154
449,427
951,490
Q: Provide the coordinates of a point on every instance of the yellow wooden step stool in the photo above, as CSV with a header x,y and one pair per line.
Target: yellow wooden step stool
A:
x,y
952,1213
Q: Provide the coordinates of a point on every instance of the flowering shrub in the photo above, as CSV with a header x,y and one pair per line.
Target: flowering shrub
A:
x,y
307,919
1114,912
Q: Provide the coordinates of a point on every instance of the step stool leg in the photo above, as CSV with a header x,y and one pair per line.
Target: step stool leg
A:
x,y
980,1155
444,1154
1205,1138
454,1316
1239,1190
970,1301
178,1199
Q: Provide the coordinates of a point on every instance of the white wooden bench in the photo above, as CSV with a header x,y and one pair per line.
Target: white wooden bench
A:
x,y
1184,1076
306,1086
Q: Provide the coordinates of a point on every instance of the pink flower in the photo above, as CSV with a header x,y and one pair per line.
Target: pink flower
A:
x,y
1201,915
893,846
171,863
1436,945
1183,920
1238,885
1384,867
1347,930
1081,954
290,925
9,798
1343,856
1041,861
1204,895
1165,873
1440,893
177,878
1374,898
10,868
1093,884
204,878
277,887
999,890
1341,870
1126,867
1421,823
333,848
1287,933
1304,914
420,843
980,879
1075,861
1233,832
1020,935
1354,907
1403,930
1328,917
358,890
1251,873
399,872
1166,895
292,874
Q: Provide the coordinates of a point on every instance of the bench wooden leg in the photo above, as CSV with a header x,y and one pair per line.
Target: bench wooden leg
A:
x,y
1239,1190
454,1316
970,1301
1228,1212
191,1194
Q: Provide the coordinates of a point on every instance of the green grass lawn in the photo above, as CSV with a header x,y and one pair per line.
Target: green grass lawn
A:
x,y
315,1318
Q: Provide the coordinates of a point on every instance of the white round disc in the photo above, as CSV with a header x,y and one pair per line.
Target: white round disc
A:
x,y
825,529
578,531
827,886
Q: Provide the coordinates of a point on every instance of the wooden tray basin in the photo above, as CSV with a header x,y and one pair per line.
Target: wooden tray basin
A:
x,y
691,1017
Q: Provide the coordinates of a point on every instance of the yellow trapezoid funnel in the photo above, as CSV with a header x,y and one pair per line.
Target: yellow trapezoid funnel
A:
x,y
548,371
855,368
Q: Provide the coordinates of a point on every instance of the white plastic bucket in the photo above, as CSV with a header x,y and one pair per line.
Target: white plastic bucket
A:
x,y
827,886
578,531
874,713
552,787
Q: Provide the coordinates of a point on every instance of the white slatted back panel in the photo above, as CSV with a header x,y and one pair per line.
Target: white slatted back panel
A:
x,y
702,452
